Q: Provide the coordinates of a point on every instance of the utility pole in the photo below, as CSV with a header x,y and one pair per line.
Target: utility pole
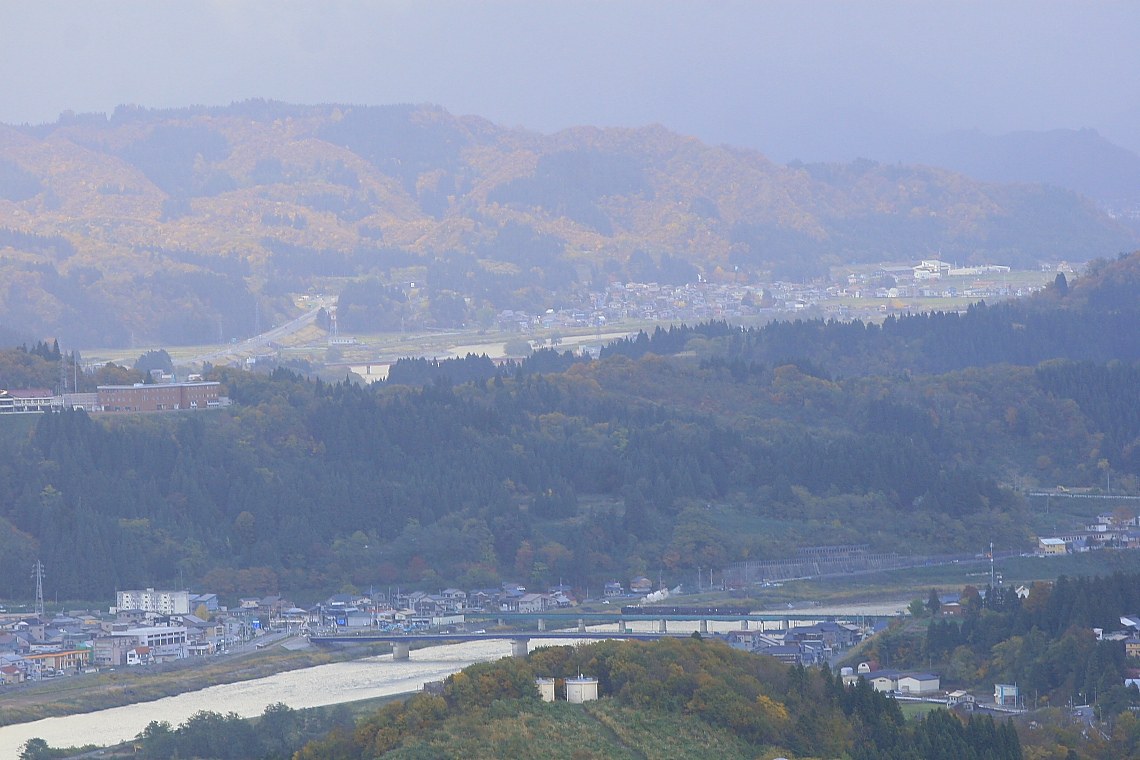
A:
x,y
38,574
62,374
992,573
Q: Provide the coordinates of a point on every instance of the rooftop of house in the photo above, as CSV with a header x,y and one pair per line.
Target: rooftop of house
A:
x,y
892,674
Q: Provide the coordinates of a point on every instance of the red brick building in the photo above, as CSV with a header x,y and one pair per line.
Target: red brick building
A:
x,y
159,397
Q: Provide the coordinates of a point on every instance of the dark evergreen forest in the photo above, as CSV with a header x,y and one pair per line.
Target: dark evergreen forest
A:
x,y
653,458
1095,320
303,485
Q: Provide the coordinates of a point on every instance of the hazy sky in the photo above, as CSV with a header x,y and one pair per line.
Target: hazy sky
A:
x,y
796,79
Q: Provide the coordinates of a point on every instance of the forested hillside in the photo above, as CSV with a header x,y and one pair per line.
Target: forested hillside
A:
x,y
1095,319
691,448
608,469
1044,642
182,226
667,699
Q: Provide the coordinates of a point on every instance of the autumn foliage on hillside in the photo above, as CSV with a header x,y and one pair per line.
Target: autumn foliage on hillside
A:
x,y
177,226
737,703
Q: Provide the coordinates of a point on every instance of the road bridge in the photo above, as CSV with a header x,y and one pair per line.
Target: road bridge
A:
x,y
520,641
573,625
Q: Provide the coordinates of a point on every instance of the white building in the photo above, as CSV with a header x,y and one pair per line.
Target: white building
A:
x,y
162,602
157,643
579,690
884,680
932,269
545,688
918,683
956,698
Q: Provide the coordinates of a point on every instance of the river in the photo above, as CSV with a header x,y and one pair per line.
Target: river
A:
x,y
319,685
309,687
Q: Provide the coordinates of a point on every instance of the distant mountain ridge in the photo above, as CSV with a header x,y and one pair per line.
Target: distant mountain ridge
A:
x,y
183,226
1078,159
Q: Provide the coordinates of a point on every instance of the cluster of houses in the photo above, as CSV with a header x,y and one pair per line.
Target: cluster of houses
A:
x,y
145,627
1130,635
891,681
703,299
1112,530
1007,697
800,645
409,610
928,686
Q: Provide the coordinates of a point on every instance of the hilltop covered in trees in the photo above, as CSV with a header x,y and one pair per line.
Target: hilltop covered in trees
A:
x,y
668,699
1045,642
230,209
604,470
1095,319
558,467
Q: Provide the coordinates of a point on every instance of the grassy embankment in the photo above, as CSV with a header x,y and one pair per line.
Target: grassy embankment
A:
x,y
89,693
558,731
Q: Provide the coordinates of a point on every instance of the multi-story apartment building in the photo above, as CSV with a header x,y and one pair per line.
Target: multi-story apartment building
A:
x,y
149,600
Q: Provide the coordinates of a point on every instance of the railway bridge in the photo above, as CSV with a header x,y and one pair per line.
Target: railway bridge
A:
x,y
520,639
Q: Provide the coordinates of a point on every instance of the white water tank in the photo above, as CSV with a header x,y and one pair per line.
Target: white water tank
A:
x,y
545,688
579,690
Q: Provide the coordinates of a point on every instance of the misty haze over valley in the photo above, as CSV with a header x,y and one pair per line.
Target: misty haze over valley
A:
x,y
762,377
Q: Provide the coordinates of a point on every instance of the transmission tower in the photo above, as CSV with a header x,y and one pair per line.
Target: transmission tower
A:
x,y
38,574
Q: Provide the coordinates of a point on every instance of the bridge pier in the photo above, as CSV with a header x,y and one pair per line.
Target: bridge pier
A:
x,y
621,625
541,625
519,647
744,624
661,626
581,625
399,651
704,626
501,623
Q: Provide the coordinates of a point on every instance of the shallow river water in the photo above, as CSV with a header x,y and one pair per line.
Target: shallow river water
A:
x,y
309,687
315,687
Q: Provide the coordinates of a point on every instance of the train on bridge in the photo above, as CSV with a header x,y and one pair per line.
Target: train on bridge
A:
x,y
665,609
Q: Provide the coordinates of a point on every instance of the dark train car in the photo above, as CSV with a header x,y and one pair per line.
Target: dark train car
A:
x,y
657,609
